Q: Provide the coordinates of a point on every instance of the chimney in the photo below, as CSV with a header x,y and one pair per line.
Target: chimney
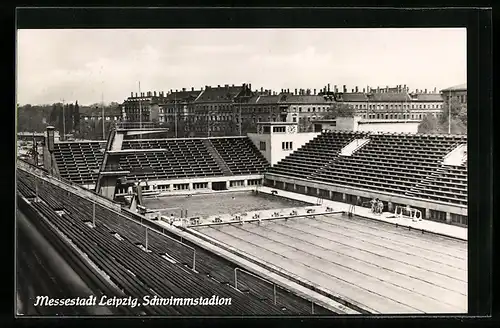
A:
x,y
328,87
296,91
131,95
250,86
136,94
335,88
176,90
378,89
183,89
434,89
261,89
218,85
356,89
314,91
155,93
192,88
226,86
425,91
386,88
364,90
345,89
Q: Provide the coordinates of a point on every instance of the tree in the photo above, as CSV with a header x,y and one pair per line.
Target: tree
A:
x,y
76,117
53,114
60,120
339,110
429,123
457,124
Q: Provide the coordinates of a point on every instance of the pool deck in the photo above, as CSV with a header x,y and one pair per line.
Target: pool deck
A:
x,y
422,225
426,225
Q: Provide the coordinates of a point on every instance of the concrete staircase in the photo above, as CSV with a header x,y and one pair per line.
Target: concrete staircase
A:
x,y
216,156
426,181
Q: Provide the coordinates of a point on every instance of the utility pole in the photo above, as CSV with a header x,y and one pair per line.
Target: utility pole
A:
x,y
140,106
449,112
175,113
64,121
102,108
240,116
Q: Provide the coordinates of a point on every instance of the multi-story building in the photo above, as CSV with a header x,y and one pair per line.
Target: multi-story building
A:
x,y
142,103
458,92
213,112
233,110
301,107
175,111
391,103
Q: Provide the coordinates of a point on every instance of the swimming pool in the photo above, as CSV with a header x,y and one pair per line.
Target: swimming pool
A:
x,y
221,203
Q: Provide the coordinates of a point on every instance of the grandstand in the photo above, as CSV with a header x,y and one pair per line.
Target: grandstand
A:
x,y
280,263
155,264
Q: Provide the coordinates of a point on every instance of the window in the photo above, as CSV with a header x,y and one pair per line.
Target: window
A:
x,y
286,145
309,109
279,129
294,119
300,109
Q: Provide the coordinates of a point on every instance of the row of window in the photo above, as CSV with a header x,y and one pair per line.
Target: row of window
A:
x,y
98,118
399,106
461,98
399,116
286,145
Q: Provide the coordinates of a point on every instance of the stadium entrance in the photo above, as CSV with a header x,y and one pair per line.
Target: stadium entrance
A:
x,y
219,185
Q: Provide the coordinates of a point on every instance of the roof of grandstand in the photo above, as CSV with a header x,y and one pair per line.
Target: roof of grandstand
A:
x,y
161,266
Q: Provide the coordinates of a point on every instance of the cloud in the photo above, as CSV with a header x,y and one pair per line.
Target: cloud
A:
x,y
83,64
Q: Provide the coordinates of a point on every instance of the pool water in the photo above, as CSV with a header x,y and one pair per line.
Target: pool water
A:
x,y
204,205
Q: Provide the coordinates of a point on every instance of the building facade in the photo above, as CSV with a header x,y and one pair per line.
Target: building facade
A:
x,y
230,110
392,103
458,92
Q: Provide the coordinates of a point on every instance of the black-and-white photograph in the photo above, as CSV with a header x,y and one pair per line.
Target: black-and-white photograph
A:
x,y
241,172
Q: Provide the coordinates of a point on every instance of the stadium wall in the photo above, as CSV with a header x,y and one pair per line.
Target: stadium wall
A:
x,y
388,127
274,151
343,194
233,181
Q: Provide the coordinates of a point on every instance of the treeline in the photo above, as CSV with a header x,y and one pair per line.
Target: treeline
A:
x,y
65,118
440,125
36,118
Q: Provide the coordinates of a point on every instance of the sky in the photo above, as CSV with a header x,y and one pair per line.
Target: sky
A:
x,y
88,65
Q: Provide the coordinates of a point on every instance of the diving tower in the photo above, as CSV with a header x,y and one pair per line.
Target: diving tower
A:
x,y
110,170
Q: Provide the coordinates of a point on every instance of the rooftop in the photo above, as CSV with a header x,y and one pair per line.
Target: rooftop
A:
x,y
460,87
